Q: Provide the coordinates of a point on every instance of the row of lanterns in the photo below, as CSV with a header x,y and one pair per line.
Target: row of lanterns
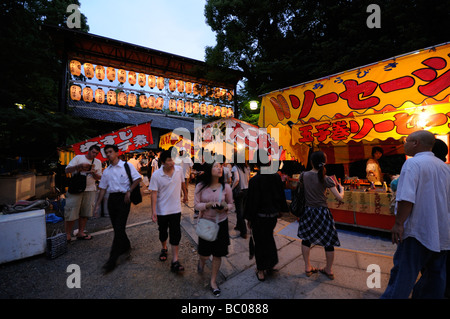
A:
x,y
150,102
141,78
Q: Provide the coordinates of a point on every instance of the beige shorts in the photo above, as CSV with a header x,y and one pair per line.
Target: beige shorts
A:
x,y
79,205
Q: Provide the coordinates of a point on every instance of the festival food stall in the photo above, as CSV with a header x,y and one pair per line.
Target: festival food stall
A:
x,y
172,139
229,135
348,113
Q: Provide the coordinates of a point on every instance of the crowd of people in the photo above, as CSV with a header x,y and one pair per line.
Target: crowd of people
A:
x,y
421,230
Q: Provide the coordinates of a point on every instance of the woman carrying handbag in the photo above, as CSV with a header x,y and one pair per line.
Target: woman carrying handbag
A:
x,y
213,199
316,226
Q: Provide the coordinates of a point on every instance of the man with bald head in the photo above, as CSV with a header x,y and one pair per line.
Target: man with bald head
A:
x,y
422,226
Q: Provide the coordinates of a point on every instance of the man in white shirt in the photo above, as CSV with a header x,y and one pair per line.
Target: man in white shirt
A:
x,y
80,206
115,181
422,223
185,162
155,162
166,184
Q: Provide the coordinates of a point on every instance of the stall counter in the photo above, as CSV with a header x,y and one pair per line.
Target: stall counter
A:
x,y
370,209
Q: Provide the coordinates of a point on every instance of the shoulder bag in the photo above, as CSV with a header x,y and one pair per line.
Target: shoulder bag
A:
x,y
297,206
77,183
237,190
135,196
207,229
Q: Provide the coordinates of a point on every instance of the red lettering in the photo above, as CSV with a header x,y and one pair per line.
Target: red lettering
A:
x,y
353,90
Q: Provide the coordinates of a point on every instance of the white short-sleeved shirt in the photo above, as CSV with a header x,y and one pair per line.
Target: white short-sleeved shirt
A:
x,y
425,182
186,164
115,178
90,181
169,189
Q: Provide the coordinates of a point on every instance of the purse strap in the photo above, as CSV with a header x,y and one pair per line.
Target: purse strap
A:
x,y
127,168
220,200
92,163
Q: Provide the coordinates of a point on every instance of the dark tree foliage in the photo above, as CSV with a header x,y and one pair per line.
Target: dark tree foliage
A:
x,y
280,43
30,77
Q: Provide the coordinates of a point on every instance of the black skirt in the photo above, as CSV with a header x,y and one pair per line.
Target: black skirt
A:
x,y
219,247
317,226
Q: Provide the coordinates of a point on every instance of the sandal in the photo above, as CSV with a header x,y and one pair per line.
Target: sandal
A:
x,y
312,271
163,255
216,291
176,267
330,276
85,237
260,278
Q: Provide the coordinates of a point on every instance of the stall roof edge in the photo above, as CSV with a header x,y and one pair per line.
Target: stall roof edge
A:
x,y
108,113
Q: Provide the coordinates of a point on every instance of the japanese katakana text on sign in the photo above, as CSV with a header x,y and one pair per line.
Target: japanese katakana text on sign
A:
x,y
411,78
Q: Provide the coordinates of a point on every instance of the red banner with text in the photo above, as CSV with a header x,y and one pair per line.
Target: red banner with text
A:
x,y
127,139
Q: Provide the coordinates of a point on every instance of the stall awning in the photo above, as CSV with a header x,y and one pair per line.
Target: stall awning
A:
x,y
376,125
391,98
170,139
238,134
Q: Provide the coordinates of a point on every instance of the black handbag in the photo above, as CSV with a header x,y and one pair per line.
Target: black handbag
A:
x,y
77,183
135,196
237,190
297,206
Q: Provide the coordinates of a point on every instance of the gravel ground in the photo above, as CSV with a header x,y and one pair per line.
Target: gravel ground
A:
x,y
142,276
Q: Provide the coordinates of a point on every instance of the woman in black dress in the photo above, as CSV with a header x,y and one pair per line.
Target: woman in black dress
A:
x,y
265,201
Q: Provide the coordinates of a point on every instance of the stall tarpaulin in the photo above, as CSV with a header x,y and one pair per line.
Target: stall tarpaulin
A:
x,y
127,139
375,100
379,125
224,135
170,139
298,152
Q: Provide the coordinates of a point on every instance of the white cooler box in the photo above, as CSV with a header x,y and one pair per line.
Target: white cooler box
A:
x,y
22,235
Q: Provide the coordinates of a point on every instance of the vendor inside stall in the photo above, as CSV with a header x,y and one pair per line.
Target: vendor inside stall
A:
x,y
373,168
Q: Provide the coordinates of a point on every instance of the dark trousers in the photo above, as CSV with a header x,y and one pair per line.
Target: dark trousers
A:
x,y
239,203
118,212
266,255
411,258
171,222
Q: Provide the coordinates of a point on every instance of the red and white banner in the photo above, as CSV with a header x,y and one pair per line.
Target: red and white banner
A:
x,y
127,139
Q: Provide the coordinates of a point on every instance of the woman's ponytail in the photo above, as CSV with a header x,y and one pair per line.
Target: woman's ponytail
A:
x,y
318,161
